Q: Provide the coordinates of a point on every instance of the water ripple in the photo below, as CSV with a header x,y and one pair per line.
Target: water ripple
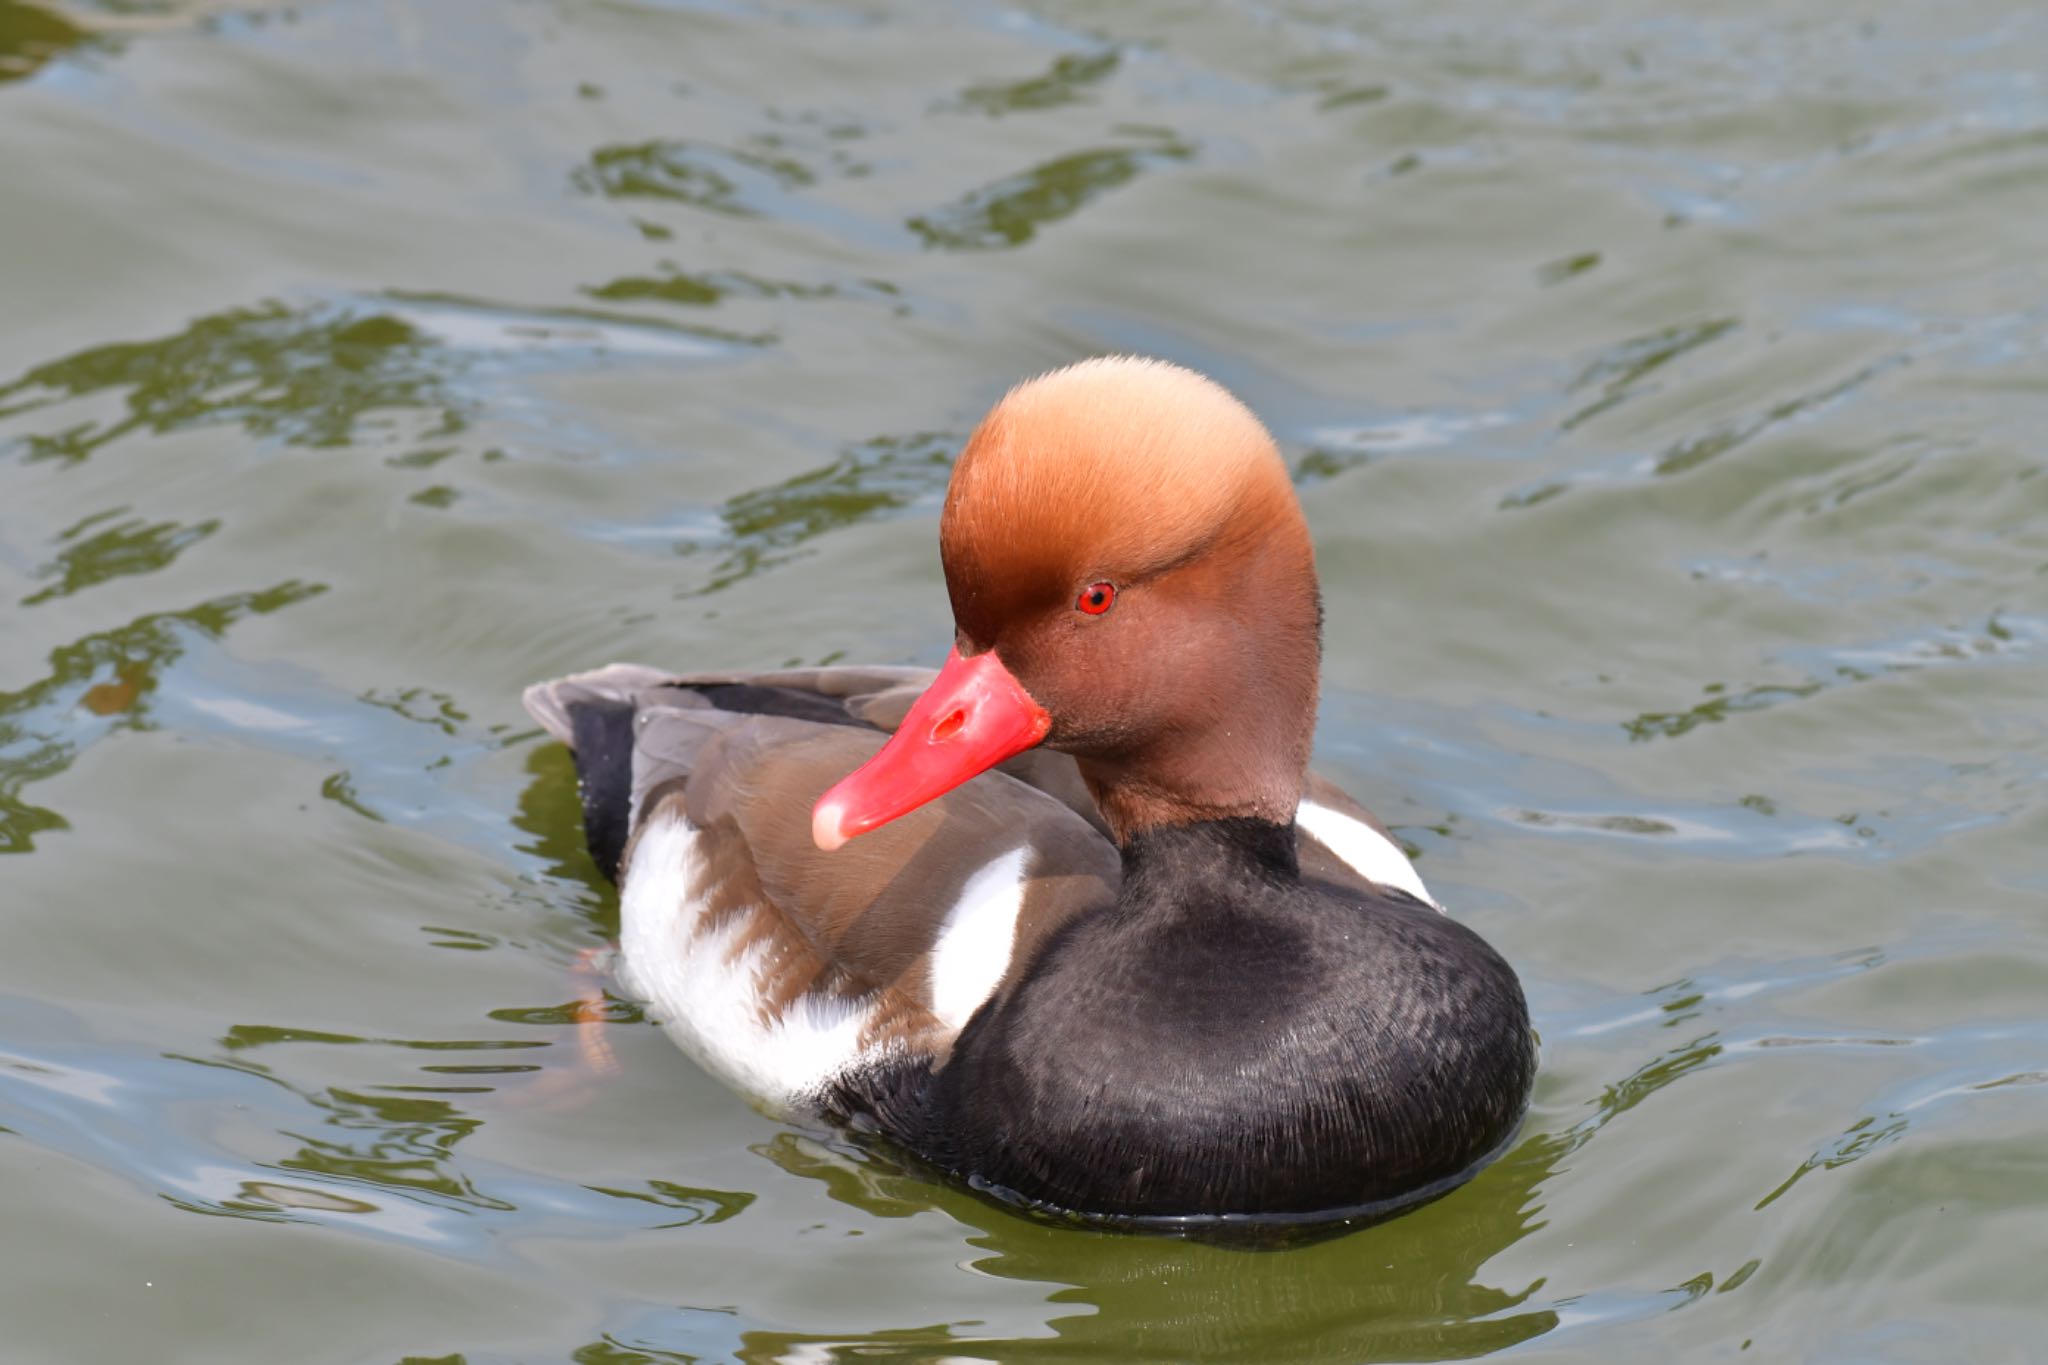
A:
x,y
1010,211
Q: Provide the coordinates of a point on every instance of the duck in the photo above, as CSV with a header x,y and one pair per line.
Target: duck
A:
x,y
1068,920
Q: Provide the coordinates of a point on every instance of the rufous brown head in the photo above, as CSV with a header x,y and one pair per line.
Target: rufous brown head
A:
x,y
1123,546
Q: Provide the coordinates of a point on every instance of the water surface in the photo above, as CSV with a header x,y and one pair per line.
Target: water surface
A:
x,y
1665,388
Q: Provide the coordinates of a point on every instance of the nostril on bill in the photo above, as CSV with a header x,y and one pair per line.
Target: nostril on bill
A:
x,y
949,725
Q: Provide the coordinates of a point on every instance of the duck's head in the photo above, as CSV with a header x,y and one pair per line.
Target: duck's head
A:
x,y
1132,583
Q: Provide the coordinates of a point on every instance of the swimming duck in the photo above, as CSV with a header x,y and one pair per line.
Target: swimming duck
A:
x,y
1069,919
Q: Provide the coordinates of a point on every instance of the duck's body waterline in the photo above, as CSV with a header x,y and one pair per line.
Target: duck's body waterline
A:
x,y
1162,975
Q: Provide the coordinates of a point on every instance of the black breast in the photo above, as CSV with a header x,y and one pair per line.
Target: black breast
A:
x,y
1232,1040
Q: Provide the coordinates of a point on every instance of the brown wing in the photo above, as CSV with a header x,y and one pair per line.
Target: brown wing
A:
x,y
866,916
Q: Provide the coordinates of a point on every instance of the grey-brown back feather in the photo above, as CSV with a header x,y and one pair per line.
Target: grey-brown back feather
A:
x,y
746,783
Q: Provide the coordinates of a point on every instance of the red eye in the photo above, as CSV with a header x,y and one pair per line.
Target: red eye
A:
x,y
1095,598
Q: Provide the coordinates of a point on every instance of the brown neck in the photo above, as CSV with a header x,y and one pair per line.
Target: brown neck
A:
x,y
1244,762
1138,797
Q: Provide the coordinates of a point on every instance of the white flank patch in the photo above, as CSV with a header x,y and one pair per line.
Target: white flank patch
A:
x,y
707,998
974,944
1372,855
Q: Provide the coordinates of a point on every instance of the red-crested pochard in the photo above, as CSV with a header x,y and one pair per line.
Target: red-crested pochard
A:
x,y
1070,919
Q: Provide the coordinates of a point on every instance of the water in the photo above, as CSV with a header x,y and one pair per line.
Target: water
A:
x,y
1666,390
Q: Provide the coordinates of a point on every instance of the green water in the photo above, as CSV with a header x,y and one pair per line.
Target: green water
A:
x,y
1667,385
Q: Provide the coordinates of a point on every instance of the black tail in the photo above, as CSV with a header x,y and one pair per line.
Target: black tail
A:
x,y
602,737
593,713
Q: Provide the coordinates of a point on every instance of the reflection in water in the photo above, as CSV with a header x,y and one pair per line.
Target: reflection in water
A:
x,y
31,35
551,813
1066,81
703,289
307,377
1009,212
1627,371
232,1136
384,1143
423,705
396,1142
1385,1293
886,475
99,684
639,1347
2003,636
682,1206
1719,706
1620,371
132,546
779,174
1860,1139
1694,451
1645,1081
328,375
688,173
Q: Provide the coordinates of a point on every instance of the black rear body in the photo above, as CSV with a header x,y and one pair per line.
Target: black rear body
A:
x,y
1229,1039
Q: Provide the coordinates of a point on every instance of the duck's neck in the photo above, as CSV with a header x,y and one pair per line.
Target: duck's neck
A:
x,y
1163,863
1237,781
1238,763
